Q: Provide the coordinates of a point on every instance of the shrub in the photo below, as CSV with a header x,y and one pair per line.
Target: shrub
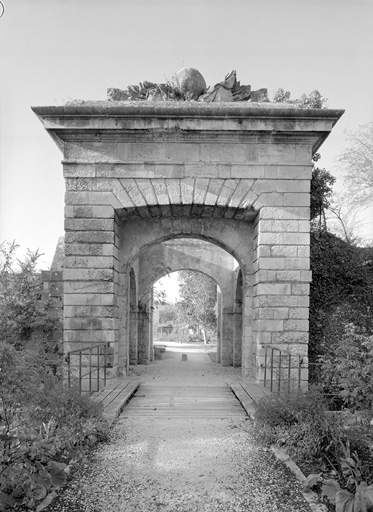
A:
x,y
348,367
297,421
43,426
23,312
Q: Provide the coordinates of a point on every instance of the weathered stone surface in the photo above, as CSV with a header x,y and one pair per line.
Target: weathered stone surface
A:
x,y
259,95
190,82
234,174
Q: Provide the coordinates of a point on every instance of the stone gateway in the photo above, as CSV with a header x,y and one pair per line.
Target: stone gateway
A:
x,y
144,177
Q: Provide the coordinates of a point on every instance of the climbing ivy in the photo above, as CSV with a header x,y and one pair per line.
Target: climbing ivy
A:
x,y
341,290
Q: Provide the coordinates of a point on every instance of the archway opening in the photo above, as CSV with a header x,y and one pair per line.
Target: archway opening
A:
x,y
186,308
160,321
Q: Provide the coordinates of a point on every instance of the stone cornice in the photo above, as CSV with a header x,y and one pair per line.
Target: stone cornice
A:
x,y
111,120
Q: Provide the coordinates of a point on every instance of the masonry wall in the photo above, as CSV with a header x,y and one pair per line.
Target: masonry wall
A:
x,y
235,175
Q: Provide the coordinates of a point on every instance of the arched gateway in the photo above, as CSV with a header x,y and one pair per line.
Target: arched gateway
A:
x,y
142,173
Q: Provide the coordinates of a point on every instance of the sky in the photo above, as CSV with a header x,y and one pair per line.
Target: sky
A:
x,y
53,51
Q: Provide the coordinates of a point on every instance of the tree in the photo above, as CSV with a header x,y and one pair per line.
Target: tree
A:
x,y
357,161
321,193
197,300
22,310
167,314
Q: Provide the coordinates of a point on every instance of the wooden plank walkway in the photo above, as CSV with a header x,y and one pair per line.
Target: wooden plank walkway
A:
x,y
115,395
249,392
183,402
123,396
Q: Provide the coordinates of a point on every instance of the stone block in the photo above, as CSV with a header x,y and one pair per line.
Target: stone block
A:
x,y
290,337
296,325
297,263
286,251
299,313
79,224
94,237
303,153
201,170
300,289
92,274
99,152
284,238
284,213
90,311
303,251
232,153
269,199
271,263
306,276
181,152
89,287
280,313
73,198
264,251
270,325
297,199
262,337
146,152
79,170
169,170
288,275
279,226
115,198
273,289
278,153
173,190
295,172
248,171
303,301
224,171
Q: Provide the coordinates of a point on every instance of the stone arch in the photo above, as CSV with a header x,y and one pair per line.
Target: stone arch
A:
x,y
201,256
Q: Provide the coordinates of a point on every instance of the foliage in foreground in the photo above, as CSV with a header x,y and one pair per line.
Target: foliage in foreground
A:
x,y
301,424
43,428
23,312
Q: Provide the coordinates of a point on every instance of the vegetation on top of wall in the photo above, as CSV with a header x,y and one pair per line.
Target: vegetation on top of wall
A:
x,y
312,100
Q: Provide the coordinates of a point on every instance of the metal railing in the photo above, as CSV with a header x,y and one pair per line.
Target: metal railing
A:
x,y
88,366
282,370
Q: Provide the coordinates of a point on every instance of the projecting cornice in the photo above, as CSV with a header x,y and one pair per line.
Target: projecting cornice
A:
x,y
183,121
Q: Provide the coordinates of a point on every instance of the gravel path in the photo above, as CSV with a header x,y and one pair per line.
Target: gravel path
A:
x,y
182,464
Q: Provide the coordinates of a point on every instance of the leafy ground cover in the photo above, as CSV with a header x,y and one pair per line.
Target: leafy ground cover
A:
x,y
44,429
336,456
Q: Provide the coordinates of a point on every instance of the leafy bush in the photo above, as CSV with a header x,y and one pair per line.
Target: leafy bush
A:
x,y
22,309
297,421
301,423
43,427
348,367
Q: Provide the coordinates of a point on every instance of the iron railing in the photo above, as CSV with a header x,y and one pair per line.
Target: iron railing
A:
x,y
282,370
88,366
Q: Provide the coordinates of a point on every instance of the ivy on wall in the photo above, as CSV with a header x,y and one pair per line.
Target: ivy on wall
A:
x,y
341,290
